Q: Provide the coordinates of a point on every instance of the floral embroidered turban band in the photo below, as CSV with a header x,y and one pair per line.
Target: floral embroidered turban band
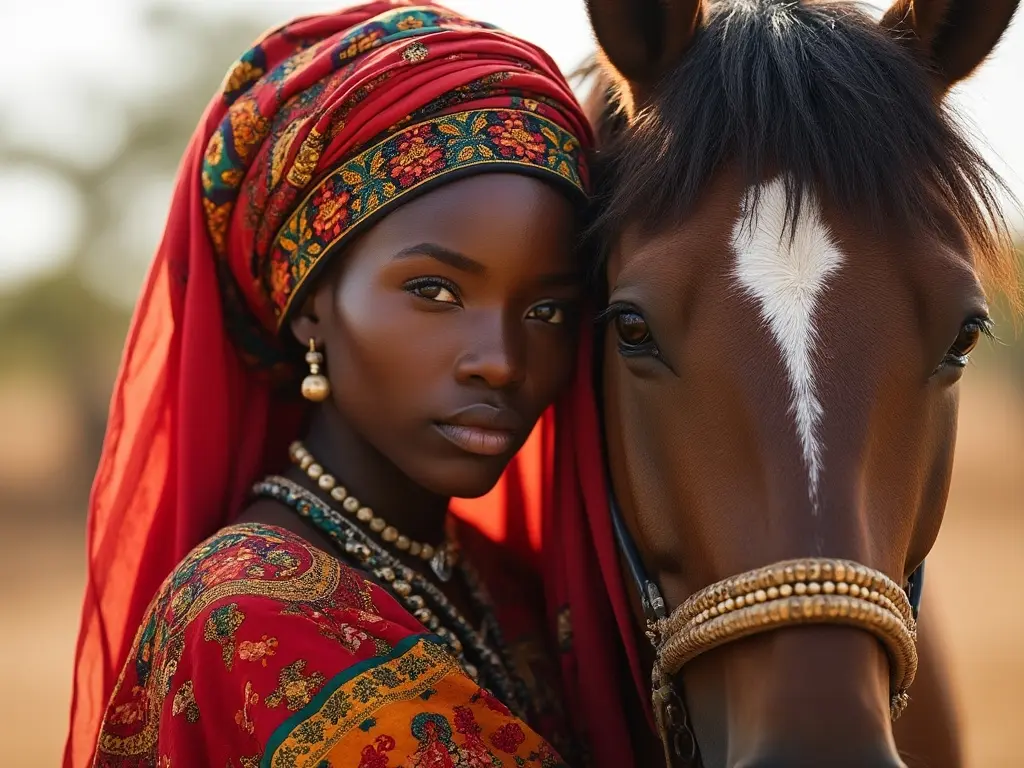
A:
x,y
330,125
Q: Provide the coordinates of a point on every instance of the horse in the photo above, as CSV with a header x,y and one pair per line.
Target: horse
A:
x,y
797,243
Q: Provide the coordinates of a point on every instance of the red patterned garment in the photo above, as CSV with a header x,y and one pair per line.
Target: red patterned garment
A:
x,y
262,650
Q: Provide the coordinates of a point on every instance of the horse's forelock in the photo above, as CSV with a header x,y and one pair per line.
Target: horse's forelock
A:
x,y
818,92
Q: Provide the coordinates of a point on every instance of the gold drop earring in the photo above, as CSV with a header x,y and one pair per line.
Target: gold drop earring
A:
x,y
315,386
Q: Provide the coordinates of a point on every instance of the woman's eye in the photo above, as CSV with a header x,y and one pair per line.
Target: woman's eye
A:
x,y
434,290
966,340
632,329
552,314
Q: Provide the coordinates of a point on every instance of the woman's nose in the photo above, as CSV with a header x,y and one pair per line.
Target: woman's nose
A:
x,y
494,355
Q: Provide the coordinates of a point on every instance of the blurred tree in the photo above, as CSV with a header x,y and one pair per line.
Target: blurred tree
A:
x,y
69,325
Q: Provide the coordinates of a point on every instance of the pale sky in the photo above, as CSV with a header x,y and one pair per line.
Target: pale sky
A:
x,y
105,41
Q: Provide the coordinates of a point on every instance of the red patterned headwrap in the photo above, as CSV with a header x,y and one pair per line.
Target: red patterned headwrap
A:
x,y
321,128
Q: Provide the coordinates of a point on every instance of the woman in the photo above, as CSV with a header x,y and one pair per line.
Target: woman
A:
x,y
382,204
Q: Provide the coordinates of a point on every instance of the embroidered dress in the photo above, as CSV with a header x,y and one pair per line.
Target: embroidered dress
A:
x,y
262,650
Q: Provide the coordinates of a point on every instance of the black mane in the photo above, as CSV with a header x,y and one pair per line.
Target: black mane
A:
x,y
819,92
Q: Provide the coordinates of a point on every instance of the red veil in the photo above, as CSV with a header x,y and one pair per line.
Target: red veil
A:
x,y
196,416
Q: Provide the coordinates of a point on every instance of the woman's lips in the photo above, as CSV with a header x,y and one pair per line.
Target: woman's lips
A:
x,y
478,440
482,428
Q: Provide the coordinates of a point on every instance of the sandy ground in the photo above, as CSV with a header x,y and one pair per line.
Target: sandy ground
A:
x,y
974,575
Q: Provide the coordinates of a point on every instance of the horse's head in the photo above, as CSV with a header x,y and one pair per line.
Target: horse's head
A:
x,y
797,235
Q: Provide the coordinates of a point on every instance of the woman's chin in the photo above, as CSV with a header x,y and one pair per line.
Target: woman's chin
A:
x,y
464,479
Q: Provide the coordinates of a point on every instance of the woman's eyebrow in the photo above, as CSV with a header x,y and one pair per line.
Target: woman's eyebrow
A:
x,y
444,255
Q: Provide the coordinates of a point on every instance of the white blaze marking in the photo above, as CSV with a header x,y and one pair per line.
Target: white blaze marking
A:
x,y
787,271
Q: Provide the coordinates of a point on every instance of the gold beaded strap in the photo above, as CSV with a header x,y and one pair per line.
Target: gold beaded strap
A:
x,y
805,591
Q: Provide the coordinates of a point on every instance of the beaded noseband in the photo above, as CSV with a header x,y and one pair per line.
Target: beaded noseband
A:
x,y
793,592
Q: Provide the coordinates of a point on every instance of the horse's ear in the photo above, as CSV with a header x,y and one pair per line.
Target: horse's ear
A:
x,y
954,35
642,39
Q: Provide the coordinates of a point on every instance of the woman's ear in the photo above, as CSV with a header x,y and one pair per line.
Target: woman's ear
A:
x,y
304,327
314,317
307,324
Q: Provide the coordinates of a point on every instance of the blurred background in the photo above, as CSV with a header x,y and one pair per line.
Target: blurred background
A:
x,y
97,102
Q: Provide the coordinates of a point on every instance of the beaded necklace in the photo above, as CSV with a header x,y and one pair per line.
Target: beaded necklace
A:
x,y
441,558
491,667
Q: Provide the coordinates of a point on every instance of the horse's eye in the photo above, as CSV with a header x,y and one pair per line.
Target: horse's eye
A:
x,y
966,340
632,329
635,339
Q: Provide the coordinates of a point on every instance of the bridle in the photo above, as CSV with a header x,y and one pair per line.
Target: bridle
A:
x,y
803,591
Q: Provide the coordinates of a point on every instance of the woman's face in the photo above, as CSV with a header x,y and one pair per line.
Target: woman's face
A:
x,y
450,326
